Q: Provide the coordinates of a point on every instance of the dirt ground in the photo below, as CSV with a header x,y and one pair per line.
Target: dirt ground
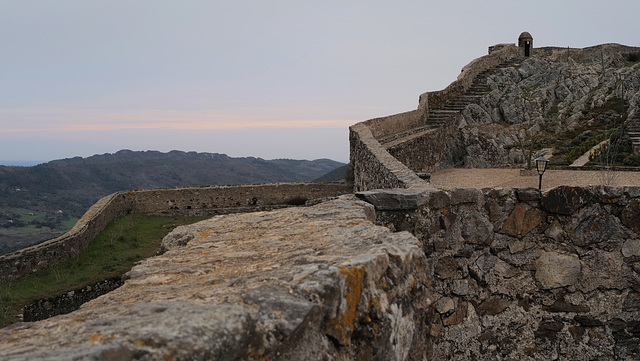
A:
x,y
511,178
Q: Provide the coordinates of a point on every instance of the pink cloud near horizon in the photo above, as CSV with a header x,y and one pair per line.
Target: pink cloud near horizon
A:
x,y
64,120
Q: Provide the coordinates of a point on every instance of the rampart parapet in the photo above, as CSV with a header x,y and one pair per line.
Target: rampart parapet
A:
x,y
187,200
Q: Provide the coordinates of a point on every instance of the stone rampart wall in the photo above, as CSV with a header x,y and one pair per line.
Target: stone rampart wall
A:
x,y
424,154
189,200
592,54
373,167
523,275
384,126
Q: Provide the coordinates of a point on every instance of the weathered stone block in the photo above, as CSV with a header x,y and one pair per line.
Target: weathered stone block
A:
x,y
495,211
631,248
555,270
527,194
609,194
596,225
563,306
394,199
446,267
565,199
458,316
632,191
460,287
476,229
465,195
521,221
445,305
492,306
555,231
631,216
548,329
439,199
588,321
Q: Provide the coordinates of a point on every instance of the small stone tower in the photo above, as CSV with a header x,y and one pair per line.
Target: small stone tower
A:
x,y
525,40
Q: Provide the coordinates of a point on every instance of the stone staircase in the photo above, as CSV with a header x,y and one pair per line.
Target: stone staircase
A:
x,y
634,132
437,118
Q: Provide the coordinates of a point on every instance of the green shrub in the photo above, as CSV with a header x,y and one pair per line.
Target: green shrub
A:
x,y
632,57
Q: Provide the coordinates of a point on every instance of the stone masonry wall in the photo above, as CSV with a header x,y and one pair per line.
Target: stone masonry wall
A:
x,y
373,166
520,275
189,200
384,126
423,154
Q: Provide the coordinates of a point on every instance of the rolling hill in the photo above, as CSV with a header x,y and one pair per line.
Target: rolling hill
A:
x,y
40,202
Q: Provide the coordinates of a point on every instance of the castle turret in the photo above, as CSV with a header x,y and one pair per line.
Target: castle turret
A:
x,y
525,40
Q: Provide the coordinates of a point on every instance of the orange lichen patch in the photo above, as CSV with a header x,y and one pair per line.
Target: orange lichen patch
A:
x,y
445,211
311,225
205,235
374,306
204,253
97,337
341,327
167,357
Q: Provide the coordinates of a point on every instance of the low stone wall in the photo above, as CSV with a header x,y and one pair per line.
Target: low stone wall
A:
x,y
384,126
520,275
189,200
67,302
592,54
373,167
424,154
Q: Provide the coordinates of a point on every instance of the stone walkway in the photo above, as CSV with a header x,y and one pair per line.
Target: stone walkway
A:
x,y
511,178
583,159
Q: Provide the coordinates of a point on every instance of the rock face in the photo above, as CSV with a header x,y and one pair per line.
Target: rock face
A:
x,y
312,283
550,92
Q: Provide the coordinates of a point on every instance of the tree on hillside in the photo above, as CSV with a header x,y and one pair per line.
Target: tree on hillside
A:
x,y
526,140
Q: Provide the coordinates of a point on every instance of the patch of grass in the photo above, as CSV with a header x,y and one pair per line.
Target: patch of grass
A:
x,y
112,253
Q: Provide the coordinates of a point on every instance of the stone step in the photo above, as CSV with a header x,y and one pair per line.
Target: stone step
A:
x,y
437,118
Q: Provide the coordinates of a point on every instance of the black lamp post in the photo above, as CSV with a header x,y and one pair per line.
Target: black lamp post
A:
x,y
541,166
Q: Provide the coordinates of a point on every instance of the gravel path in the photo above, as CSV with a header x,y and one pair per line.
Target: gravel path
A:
x,y
510,178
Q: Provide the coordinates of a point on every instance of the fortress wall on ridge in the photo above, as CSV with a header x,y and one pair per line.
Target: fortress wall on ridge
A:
x,y
174,201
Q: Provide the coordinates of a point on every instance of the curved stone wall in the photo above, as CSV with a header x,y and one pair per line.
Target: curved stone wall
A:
x,y
376,167
189,200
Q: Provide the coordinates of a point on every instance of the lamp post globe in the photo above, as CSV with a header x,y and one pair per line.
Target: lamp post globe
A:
x,y
541,167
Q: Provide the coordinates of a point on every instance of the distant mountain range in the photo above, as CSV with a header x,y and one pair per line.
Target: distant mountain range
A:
x,y
41,201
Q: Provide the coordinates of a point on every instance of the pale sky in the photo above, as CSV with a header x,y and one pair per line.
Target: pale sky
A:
x,y
271,79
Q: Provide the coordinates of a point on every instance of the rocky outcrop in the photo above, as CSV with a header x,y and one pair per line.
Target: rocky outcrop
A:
x,y
310,283
551,91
